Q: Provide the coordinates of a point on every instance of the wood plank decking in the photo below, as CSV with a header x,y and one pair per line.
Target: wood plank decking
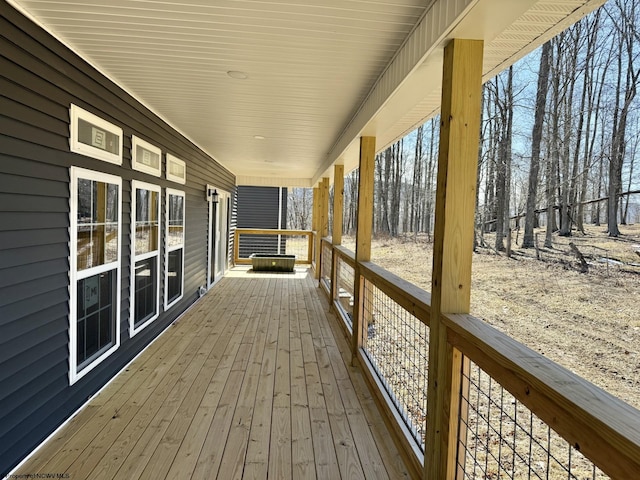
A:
x,y
250,383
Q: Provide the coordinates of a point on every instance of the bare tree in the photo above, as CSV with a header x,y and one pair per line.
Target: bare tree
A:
x,y
591,80
504,103
536,140
299,203
417,182
429,201
625,21
350,219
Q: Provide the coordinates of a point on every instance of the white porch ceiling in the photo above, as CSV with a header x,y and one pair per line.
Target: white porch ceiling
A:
x,y
320,73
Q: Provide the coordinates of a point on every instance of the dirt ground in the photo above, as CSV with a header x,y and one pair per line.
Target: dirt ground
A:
x,y
587,322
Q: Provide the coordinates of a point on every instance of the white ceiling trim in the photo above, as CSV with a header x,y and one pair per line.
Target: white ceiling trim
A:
x,y
416,96
511,44
434,26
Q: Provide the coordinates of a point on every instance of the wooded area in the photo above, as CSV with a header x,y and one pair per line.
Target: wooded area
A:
x,y
559,129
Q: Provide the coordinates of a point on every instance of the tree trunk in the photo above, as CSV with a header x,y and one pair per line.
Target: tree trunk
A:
x,y
429,188
552,164
536,140
626,203
417,181
593,105
629,36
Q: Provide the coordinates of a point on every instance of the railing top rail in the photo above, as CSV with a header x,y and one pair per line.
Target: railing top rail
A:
x,y
327,239
272,231
347,255
412,298
604,428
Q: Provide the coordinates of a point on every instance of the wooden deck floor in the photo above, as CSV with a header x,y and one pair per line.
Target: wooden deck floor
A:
x,y
250,383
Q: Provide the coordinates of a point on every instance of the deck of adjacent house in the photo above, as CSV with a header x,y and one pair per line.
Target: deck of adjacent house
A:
x,y
252,382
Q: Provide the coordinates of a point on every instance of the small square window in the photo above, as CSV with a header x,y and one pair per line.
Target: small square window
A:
x,y
176,169
94,137
145,157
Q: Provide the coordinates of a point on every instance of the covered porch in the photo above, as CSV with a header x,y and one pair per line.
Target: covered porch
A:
x,y
254,381
260,379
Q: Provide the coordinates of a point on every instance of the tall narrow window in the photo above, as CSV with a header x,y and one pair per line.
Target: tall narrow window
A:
x,y
145,255
95,248
174,260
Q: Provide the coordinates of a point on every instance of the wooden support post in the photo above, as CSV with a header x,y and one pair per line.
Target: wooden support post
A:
x,y
324,207
323,222
336,235
314,227
338,203
363,235
314,210
453,246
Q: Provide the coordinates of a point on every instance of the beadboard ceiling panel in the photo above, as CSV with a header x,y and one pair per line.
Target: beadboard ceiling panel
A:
x,y
319,73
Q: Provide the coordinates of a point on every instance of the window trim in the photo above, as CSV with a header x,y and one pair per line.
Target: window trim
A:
x,y
77,173
167,249
223,197
75,145
137,164
176,161
136,184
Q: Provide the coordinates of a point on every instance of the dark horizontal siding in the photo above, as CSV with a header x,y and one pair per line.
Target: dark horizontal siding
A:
x,y
39,79
258,207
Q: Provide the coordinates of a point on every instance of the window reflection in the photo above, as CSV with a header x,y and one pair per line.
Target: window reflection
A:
x,y
176,220
146,221
97,231
174,275
95,316
145,289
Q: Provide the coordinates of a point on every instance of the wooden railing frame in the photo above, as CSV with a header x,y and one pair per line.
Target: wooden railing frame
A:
x,y
410,451
412,298
417,302
326,241
313,253
270,231
602,427
349,257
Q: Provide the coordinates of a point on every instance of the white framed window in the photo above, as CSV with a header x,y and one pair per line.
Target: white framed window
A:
x,y
94,137
176,169
95,252
174,247
145,157
145,256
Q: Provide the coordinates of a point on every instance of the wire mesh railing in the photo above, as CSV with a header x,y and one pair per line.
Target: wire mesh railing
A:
x,y
397,346
501,438
326,259
272,242
523,416
344,291
516,413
